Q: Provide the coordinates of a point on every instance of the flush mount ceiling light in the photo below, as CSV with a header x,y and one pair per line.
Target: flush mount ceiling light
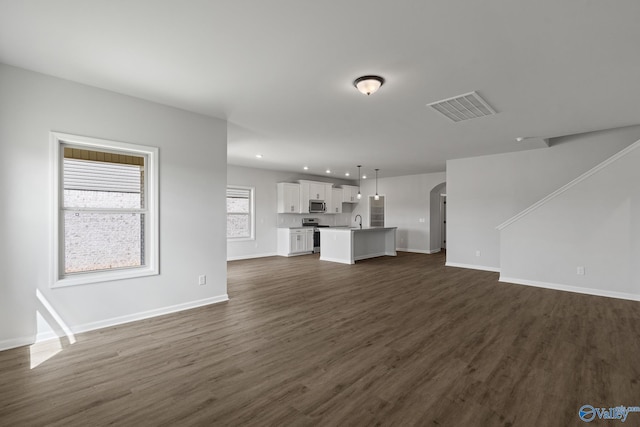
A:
x,y
368,84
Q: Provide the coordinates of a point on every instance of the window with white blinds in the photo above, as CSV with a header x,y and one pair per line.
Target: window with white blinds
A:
x,y
93,175
104,214
240,213
107,210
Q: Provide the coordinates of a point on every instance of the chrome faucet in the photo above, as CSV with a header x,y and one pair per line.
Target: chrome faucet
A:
x,y
360,219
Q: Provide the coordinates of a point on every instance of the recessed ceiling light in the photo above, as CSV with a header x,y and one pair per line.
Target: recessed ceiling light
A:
x,y
328,171
520,138
347,174
364,176
306,168
258,156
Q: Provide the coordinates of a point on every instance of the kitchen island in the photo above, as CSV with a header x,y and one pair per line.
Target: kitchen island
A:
x,y
348,245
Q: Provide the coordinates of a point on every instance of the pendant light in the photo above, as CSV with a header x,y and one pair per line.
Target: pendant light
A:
x,y
359,195
376,197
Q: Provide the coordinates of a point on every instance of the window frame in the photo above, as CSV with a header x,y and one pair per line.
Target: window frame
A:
x,y
252,213
151,235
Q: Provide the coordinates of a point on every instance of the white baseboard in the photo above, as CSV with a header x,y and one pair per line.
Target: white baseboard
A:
x,y
92,326
147,314
567,288
296,254
47,335
15,342
341,261
473,267
241,257
374,255
418,251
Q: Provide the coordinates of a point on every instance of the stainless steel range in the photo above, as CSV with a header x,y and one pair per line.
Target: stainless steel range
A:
x,y
313,222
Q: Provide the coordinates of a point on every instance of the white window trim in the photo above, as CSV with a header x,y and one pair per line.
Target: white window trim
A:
x,y
152,250
252,213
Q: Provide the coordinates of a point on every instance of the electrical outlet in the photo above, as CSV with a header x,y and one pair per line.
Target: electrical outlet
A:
x,y
202,279
478,253
580,270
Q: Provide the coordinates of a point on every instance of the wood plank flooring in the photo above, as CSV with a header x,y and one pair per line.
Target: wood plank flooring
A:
x,y
389,341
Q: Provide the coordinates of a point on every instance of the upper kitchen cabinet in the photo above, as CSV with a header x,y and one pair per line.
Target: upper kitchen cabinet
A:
x,y
313,190
335,206
289,198
350,193
317,191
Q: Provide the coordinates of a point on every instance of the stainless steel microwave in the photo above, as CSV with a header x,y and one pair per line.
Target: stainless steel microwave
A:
x,y
317,206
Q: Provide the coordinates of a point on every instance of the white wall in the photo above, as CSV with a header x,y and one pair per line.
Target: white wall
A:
x,y
192,152
594,223
407,206
483,192
267,219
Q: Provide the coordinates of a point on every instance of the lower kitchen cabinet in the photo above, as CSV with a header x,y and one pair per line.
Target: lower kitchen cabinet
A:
x,y
295,241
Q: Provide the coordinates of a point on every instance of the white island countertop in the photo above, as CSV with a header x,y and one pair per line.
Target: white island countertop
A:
x,y
347,245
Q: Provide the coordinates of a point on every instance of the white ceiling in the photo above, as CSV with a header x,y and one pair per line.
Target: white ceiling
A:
x,y
281,71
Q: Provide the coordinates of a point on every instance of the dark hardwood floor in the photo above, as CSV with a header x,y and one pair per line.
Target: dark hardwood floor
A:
x,y
389,341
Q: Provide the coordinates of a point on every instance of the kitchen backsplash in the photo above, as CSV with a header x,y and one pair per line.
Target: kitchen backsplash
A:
x,y
295,220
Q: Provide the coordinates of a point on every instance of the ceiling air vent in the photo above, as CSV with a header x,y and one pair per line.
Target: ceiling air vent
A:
x,y
463,107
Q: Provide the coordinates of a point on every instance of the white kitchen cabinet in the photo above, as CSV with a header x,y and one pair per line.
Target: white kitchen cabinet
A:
x,y
328,198
336,201
317,191
350,193
289,197
348,245
295,241
300,241
313,190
